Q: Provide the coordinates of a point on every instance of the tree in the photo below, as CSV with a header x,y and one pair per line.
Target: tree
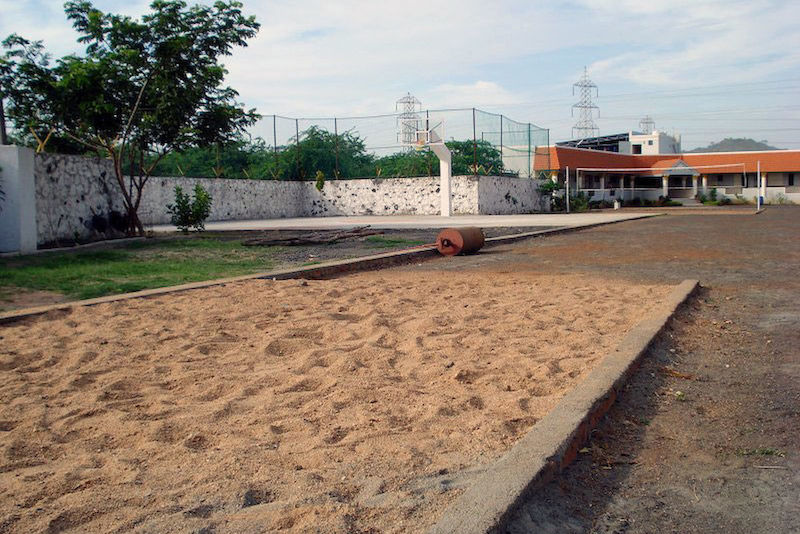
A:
x,y
467,153
143,89
338,156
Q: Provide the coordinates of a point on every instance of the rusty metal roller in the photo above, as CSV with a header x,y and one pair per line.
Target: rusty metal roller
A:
x,y
467,240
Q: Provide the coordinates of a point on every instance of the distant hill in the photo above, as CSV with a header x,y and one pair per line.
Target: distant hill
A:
x,y
731,144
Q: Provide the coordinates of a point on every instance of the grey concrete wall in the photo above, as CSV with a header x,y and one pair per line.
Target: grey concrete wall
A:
x,y
18,206
74,195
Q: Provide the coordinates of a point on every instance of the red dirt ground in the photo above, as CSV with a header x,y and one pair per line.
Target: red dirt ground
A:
x,y
706,438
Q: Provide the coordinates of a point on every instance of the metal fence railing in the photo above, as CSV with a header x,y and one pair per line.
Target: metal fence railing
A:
x,y
370,146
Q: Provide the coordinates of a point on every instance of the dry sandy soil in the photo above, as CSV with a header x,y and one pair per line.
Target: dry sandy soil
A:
x,y
360,404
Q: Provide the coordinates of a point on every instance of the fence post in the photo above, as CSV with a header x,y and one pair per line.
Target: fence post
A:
x,y
474,146
501,143
297,142
530,171
428,127
275,142
336,138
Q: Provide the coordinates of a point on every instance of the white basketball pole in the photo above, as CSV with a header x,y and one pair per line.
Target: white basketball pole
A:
x,y
566,194
758,186
445,162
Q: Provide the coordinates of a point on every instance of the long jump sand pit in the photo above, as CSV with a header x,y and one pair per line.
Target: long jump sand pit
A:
x,y
365,403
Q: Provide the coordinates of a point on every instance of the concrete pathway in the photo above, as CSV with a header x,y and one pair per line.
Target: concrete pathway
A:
x,y
415,221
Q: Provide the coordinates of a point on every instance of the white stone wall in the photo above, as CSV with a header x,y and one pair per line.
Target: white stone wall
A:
x,y
70,190
503,195
390,196
231,199
74,194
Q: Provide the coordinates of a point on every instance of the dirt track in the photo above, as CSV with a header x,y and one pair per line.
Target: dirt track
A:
x,y
707,436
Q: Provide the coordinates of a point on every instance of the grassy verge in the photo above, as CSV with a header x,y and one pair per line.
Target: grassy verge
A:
x,y
134,266
379,241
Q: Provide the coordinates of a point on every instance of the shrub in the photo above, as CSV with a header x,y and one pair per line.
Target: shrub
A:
x,y
319,180
579,202
713,195
600,204
190,212
701,198
547,193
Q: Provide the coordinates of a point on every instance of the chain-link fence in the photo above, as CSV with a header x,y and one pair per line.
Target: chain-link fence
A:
x,y
372,146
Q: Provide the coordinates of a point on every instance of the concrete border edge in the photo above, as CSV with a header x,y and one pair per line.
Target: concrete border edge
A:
x,y
322,270
554,441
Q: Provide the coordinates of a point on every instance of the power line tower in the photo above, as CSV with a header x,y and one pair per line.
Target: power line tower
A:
x,y
647,125
409,107
585,127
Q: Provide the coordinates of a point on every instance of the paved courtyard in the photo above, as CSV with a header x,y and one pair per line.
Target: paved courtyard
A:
x,y
418,221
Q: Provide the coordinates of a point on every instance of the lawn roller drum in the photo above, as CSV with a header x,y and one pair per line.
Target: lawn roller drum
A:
x,y
467,240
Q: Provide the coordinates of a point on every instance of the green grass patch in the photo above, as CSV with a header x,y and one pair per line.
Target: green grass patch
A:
x,y
380,241
761,451
134,266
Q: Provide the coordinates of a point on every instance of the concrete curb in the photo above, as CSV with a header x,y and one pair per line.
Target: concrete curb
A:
x,y
554,441
322,270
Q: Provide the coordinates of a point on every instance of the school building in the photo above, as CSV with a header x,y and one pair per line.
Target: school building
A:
x,y
617,167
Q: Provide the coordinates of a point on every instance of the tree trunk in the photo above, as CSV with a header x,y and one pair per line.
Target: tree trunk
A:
x,y
3,136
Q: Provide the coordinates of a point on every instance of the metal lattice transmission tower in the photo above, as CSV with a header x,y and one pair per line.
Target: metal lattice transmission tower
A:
x,y
585,127
647,125
409,107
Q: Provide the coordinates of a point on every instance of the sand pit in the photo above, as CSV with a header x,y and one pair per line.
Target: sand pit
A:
x,y
361,404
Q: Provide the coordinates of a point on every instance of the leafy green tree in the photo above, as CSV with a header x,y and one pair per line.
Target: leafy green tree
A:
x,y
339,156
466,153
241,159
414,163
143,89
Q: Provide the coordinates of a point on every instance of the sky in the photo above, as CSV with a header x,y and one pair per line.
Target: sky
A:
x,y
704,69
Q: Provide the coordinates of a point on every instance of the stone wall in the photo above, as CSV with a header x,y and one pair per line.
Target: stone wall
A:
x,y
231,199
72,192
390,196
504,195
78,197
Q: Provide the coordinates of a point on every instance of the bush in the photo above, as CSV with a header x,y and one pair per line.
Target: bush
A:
x,y
547,193
319,180
579,202
190,213
713,195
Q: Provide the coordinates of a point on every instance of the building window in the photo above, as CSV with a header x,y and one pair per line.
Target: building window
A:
x,y
650,142
637,149
791,178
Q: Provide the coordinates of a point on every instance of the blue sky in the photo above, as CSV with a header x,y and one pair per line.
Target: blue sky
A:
x,y
705,69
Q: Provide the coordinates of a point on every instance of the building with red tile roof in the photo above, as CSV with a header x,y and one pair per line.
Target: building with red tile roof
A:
x,y
613,175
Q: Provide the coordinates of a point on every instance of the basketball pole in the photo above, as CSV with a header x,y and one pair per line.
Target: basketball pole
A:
x,y
566,194
437,145
758,186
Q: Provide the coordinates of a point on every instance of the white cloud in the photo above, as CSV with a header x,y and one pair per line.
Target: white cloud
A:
x,y
480,93
693,44
321,58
